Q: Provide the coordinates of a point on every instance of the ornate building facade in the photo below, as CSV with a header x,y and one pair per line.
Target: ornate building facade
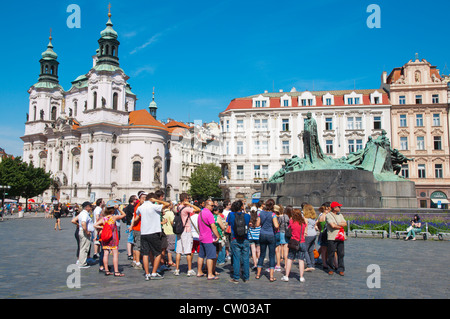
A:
x,y
260,132
419,98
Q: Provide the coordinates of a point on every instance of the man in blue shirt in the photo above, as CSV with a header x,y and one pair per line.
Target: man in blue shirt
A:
x,y
240,246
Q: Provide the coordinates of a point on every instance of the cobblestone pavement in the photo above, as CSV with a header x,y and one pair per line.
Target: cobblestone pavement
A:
x,y
34,261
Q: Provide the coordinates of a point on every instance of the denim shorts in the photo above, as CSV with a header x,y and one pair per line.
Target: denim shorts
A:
x,y
254,241
297,254
282,239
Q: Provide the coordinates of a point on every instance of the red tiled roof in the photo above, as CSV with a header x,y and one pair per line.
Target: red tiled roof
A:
x,y
275,99
144,118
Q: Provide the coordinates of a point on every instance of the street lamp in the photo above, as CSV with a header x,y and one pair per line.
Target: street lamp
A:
x,y
3,188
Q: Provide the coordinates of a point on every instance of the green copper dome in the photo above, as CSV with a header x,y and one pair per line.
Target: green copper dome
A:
x,y
109,32
49,54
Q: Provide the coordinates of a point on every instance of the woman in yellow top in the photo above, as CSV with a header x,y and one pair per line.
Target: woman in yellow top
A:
x,y
113,244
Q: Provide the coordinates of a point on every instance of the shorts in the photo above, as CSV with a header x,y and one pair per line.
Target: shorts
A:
x,y
297,254
184,243
171,239
164,242
151,243
137,240
282,239
254,242
207,251
130,237
195,246
278,239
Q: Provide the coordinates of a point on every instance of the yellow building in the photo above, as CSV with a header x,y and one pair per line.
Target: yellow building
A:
x,y
419,122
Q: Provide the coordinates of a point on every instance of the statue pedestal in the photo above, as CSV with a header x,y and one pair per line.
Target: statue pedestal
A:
x,y
351,188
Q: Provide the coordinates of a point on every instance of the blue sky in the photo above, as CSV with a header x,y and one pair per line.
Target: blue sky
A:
x,y
202,54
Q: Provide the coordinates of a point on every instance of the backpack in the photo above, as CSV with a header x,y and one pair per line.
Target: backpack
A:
x,y
106,233
178,227
240,228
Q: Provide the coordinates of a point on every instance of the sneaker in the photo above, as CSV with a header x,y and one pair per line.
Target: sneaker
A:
x,y
138,266
277,268
147,277
302,279
191,273
84,266
176,272
284,278
156,276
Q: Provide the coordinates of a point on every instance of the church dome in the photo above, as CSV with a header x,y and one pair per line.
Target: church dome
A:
x,y
109,32
49,54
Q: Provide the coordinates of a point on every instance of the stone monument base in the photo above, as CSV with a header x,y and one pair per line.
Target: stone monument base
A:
x,y
351,188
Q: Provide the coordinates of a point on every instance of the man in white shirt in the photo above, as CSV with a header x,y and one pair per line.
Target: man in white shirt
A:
x,y
149,213
86,228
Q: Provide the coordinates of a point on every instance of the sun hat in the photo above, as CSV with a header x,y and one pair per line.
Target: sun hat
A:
x,y
112,203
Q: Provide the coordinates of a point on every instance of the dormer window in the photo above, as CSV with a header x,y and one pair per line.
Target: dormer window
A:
x,y
307,99
261,101
376,97
285,101
353,98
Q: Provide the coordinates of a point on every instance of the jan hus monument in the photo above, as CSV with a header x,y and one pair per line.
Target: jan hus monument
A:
x,y
366,178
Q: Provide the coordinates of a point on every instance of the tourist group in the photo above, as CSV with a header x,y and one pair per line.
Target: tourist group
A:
x,y
159,233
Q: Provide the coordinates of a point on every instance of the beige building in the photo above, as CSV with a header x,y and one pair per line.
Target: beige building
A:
x,y
419,122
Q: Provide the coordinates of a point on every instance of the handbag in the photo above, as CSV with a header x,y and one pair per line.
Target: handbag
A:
x,y
293,243
341,235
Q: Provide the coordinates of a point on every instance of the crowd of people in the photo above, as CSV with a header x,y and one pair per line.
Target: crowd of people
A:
x,y
159,233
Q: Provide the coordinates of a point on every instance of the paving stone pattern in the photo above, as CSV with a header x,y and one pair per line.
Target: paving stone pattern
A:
x,y
34,259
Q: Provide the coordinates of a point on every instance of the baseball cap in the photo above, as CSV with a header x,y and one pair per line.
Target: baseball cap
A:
x,y
335,204
86,204
140,193
112,203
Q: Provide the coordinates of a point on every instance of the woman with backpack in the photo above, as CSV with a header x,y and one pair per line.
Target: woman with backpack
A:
x,y
269,224
109,236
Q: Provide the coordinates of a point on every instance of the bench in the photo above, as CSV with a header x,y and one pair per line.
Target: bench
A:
x,y
441,235
424,234
370,232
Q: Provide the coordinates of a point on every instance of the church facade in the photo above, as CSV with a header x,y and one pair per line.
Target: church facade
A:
x,y
91,137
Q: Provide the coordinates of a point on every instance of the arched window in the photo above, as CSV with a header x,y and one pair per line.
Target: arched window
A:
x,y
136,171
34,112
75,108
52,70
113,50
115,101
95,100
54,113
107,50
113,162
60,160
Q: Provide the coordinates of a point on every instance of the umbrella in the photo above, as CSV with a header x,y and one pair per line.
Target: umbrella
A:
x,y
31,200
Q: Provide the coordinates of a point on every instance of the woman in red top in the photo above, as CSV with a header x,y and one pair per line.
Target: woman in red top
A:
x,y
299,229
112,246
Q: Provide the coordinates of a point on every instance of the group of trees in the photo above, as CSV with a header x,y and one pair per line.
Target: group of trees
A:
x,y
25,180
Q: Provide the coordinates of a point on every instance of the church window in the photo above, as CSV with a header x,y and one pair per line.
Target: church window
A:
x,y
60,160
136,171
95,100
115,101
54,113
113,162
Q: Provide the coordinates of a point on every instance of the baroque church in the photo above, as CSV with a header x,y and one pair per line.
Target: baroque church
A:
x,y
91,137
